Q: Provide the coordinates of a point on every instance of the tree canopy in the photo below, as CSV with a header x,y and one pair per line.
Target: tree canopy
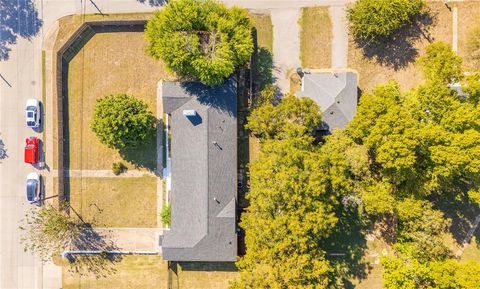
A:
x,y
441,63
291,117
122,121
376,19
200,38
402,155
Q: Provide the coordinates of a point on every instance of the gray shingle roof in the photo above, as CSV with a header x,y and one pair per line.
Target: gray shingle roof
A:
x,y
335,93
203,171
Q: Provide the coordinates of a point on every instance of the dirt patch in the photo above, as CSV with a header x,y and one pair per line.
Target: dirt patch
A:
x,y
468,18
374,67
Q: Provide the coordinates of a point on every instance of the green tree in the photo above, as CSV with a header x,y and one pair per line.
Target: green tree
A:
x,y
374,19
441,63
404,272
291,210
422,229
122,121
291,117
49,230
200,38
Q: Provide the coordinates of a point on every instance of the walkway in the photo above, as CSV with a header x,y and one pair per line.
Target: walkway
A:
x,y
286,45
340,36
104,174
468,237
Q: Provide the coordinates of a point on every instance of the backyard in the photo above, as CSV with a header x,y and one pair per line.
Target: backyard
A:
x,y
139,271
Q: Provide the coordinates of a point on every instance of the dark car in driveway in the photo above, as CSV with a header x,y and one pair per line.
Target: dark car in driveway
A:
x,y
34,188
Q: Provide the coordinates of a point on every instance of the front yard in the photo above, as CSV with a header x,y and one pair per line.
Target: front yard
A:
x,y
115,202
105,66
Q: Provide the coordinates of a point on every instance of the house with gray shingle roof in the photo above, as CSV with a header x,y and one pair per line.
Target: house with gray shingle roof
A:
x,y
203,124
336,94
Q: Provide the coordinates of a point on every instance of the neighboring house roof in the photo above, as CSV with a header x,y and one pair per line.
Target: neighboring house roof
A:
x,y
203,172
335,93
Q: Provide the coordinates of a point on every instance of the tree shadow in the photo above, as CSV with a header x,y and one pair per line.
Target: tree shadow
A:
x,y
156,3
346,248
398,50
100,264
222,97
17,19
261,65
461,211
144,155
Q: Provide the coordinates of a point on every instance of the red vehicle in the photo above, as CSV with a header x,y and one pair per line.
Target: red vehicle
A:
x,y
31,150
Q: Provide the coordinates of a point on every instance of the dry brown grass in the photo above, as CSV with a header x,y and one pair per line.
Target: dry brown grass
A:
x,y
315,37
199,275
263,25
110,63
468,18
131,272
372,72
116,202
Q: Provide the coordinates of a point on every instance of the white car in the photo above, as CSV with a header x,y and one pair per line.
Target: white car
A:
x,y
34,188
32,113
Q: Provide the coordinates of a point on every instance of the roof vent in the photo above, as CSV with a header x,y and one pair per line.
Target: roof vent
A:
x,y
189,113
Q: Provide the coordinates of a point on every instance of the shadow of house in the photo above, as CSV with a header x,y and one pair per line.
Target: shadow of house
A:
x,y
17,19
398,50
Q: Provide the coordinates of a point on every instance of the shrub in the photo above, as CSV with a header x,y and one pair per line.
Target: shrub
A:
x,y
118,168
200,39
122,121
165,215
373,19
441,63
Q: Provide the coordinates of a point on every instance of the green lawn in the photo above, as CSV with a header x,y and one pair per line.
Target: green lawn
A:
x,y
116,202
132,272
263,26
315,37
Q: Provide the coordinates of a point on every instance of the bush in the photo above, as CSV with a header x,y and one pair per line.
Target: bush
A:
x,y
118,168
441,63
200,39
122,121
165,215
373,19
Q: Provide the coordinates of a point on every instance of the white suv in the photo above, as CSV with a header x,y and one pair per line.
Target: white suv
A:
x,y
32,112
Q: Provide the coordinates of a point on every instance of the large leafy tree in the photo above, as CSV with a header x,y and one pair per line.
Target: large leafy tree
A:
x,y
291,117
122,121
441,63
291,210
200,38
376,19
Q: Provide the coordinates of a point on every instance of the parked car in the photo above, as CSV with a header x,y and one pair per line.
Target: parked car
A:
x,y
34,188
31,150
32,113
